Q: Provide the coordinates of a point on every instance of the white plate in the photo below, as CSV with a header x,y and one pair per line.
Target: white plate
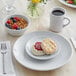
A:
x,y
31,42
23,58
70,5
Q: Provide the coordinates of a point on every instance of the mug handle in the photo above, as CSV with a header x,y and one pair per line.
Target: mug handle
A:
x,y
65,18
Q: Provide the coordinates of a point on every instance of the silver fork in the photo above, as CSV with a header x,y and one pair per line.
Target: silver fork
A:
x,y
3,52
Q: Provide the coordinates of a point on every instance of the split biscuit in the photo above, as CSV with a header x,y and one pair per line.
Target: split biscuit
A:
x,y
48,46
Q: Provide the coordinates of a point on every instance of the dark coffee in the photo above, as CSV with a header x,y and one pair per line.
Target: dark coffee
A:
x,y
58,12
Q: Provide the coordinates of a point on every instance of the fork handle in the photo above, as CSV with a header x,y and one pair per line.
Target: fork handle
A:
x,y
4,72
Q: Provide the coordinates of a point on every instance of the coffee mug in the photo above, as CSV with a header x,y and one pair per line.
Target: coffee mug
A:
x,y
57,18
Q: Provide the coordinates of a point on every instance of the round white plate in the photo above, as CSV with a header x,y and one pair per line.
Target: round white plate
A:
x,y
42,65
70,5
31,42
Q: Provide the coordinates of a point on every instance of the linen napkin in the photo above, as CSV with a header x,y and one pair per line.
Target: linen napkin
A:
x,y
8,61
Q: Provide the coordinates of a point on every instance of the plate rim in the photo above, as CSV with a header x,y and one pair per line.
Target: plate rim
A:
x,y
69,5
41,69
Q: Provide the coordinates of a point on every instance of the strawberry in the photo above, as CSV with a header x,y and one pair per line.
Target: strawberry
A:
x,y
14,26
70,2
8,21
17,18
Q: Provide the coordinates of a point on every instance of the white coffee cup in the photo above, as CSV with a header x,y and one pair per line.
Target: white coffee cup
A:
x,y
57,18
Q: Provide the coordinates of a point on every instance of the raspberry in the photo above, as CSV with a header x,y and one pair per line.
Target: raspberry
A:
x,y
9,21
17,18
14,26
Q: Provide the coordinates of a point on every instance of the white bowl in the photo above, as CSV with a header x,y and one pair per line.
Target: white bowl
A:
x,y
14,32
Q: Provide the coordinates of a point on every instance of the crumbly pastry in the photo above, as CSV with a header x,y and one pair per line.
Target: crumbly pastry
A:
x,y
48,46
37,52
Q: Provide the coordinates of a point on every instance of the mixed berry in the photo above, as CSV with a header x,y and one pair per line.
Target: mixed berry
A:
x,y
71,1
16,23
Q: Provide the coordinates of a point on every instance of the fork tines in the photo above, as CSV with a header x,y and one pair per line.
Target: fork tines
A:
x,y
3,48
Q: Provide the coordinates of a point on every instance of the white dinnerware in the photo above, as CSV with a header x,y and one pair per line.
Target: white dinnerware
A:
x,y
32,41
57,19
42,65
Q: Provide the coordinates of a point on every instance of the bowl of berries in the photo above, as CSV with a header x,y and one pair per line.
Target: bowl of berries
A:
x,y
16,25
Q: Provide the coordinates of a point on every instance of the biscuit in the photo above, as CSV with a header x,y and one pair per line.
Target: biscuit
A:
x,y
48,46
37,52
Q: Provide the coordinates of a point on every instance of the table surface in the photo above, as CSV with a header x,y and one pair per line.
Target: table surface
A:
x,y
42,23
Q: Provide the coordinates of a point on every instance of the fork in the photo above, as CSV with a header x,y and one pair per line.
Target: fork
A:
x,y
3,52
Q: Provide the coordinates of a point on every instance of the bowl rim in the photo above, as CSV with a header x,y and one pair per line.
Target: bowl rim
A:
x,y
27,19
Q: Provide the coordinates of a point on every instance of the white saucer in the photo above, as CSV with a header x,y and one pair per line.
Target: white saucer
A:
x,y
31,42
42,65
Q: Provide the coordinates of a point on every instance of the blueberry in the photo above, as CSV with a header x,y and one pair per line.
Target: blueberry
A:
x,y
7,25
14,20
11,18
18,28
